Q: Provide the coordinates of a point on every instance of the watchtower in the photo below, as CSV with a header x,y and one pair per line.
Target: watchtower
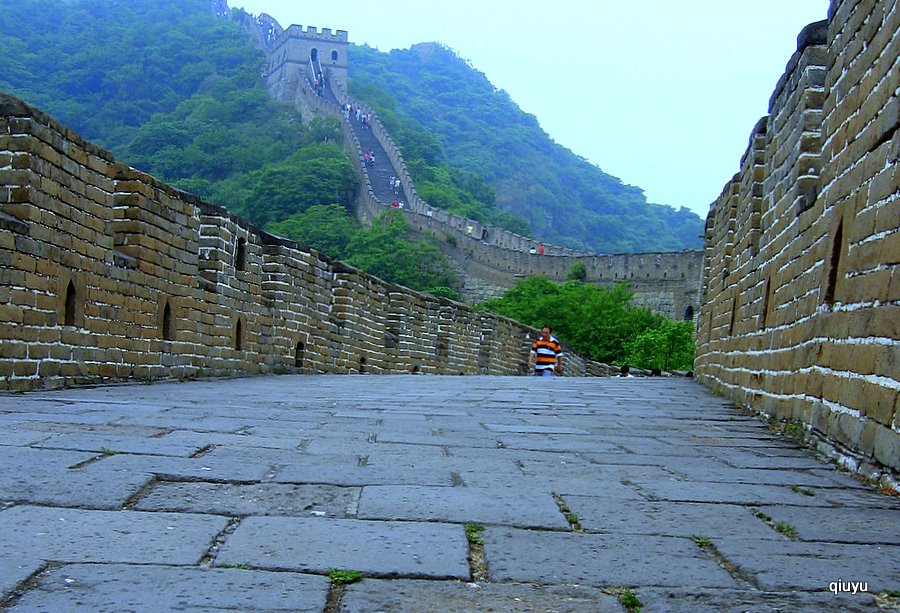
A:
x,y
308,52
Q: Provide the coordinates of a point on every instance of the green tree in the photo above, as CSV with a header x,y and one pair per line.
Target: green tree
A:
x,y
383,251
554,193
599,323
577,272
326,228
668,346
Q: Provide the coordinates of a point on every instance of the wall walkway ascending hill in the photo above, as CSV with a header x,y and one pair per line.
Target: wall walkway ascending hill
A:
x,y
492,259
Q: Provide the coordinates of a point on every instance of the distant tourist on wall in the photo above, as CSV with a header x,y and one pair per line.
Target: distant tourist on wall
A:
x,y
532,251
625,371
541,249
546,355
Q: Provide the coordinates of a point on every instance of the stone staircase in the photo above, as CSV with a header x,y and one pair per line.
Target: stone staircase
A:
x,y
379,173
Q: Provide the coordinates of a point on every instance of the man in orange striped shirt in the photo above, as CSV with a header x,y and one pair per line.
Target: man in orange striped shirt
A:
x,y
546,355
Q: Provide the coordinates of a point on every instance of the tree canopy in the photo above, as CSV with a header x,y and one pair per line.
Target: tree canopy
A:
x,y
476,129
599,323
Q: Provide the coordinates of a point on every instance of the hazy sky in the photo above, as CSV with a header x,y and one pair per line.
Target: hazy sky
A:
x,y
662,94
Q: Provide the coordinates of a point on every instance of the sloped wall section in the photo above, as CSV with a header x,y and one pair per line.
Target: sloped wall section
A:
x,y
109,274
801,292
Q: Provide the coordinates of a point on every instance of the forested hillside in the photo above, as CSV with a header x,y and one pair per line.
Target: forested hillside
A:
x,y
478,129
174,91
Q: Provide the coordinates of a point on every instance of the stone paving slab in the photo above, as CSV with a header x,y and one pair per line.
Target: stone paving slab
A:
x,y
413,549
456,597
624,516
21,438
505,506
835,525
771,476
527,429
599,560
113,588
46,477
735,493
354,469
199,440
74,535
663,600
594,444
746,458
227,465
783,564
16,569
440,438
50,427
243,499
97,443
269,448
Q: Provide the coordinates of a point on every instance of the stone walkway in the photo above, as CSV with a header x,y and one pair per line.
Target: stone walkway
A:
x,y
240,495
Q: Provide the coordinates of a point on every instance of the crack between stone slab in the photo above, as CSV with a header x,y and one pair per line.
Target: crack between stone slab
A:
x,y
84,463
352,509
783,528
478,569
742,577
202,451
571,518
210,556
141,491
521,466
27,584
170,478
335,594
647,496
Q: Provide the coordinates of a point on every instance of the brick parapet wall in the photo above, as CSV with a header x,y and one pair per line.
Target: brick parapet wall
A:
x,y
108,274
801,295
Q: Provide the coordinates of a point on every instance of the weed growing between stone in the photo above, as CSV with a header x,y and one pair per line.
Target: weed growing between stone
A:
x,y
478,571
572,518
783,527
627,599
786,529
701,541
473,534
340,576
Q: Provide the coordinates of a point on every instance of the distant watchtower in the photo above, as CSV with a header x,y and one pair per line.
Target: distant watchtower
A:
x,y
306,52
